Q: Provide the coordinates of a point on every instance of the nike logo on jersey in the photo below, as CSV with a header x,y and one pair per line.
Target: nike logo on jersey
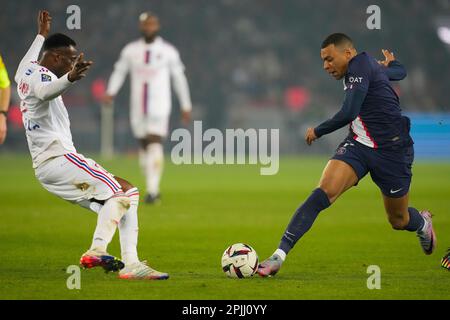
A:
x,y
348,144
395,191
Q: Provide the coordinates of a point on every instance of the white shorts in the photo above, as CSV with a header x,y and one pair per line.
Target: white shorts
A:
x,y
75,178
144,126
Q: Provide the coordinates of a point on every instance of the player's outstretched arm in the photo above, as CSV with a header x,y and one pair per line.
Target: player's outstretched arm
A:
x,y
349,111
394,69
79,69
43,23
50,90
355,95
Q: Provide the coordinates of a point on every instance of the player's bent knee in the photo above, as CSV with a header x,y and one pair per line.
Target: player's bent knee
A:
x,y
123,201
331,192
154,139
124,184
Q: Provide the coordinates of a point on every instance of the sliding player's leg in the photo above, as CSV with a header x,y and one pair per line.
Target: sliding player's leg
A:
x,y
128,233
77,179
128,225
108,218
128,230
109,201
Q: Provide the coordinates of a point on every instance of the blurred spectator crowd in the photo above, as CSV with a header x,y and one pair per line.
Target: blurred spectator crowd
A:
x,y
247,53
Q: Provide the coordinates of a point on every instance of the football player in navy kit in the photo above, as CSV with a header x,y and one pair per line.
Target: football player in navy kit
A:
x,y
378,143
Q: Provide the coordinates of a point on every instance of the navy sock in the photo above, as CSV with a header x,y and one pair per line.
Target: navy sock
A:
x,y
304,218
416,220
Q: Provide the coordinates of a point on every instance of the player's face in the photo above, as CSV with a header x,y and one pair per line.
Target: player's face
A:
x,y
64,59
335,60
149,27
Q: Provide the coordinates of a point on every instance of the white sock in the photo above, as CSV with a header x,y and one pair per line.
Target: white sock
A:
x,y
143,160
281,254
107,221
155,163
128,229
96,207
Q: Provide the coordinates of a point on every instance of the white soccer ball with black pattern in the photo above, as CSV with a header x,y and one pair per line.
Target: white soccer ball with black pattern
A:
x,y
239,261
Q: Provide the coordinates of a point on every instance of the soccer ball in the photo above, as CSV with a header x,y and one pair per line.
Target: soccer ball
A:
x,y
239,261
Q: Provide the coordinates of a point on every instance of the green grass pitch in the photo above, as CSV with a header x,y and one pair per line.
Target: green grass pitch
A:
x,y
205,209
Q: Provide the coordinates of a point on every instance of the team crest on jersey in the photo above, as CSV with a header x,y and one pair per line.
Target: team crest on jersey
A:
x,y
46,78
341,151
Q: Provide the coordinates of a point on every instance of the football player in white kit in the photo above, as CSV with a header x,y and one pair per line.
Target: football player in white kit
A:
x,y
152,63
57,164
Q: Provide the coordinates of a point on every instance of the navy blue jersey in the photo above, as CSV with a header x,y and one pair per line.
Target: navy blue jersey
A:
x,y
371,106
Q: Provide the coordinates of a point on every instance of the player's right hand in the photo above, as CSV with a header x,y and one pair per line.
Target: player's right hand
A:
x,y
79,68
44,22
310,136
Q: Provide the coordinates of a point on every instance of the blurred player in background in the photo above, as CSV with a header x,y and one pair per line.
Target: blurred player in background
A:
x,y
378,143
59,168
152,63
5,94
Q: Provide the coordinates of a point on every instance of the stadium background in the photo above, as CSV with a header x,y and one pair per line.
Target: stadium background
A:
x,y
250,64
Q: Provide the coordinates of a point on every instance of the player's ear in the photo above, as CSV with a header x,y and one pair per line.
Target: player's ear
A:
x,y
348,53
54,56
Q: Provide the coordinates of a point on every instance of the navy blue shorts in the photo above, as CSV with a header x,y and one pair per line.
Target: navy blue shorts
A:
x,y
390,170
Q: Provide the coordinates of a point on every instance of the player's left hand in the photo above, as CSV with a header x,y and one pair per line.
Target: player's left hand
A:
x,y
3,128
79,69
388,57
310,136
186,117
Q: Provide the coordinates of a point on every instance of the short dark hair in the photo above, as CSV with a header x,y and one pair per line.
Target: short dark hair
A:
x,y
336,39
147,15
58,40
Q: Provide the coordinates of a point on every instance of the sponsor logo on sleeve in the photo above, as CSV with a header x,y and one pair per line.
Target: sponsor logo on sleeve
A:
x,y
24,88
46,78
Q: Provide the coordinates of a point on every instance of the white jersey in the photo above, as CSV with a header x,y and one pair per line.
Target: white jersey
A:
x,y
44,115
151,67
